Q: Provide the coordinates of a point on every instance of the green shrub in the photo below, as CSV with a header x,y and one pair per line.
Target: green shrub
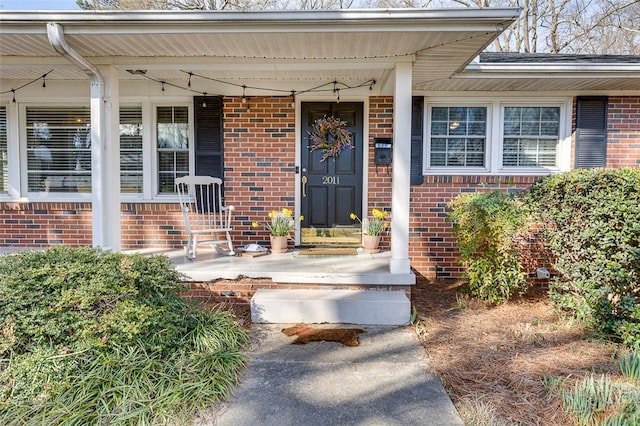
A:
x,y
89,337
592,227
485,227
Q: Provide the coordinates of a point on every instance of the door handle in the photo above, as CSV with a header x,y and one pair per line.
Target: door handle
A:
x,y
303,180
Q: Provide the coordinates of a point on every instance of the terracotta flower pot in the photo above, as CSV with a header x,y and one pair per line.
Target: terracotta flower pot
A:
x,y
371,243
279,244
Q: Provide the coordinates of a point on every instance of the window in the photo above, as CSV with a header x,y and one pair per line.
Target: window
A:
x,y
4,165
481,135
458,136
58,149
172,134
530,136
131,149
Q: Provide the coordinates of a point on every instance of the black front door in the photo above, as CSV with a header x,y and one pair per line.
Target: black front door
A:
x,y
330,189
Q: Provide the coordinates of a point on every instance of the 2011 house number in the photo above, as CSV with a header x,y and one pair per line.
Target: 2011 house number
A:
x,y
331,180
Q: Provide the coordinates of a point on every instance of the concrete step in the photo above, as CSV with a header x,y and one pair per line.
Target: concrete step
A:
x,y
330,306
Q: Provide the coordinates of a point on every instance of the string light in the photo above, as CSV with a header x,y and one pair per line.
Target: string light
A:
x,y
44,80
293,99
244,95
14,90
204,101
319,88
338,97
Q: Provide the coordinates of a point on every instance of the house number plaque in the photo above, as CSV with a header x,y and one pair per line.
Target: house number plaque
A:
x,y
331,180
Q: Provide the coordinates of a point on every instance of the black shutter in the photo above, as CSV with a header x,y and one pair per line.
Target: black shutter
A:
x,y
417,126
591,132
208,136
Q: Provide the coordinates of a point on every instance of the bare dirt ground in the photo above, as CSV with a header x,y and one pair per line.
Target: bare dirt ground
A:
x,y
494,360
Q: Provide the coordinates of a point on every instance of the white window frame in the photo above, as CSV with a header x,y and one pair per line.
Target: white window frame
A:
x,y
24,189
463,169
155,185
17,152
495,134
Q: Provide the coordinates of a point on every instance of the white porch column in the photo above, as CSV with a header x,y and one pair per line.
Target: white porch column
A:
x,y
105,161
400,263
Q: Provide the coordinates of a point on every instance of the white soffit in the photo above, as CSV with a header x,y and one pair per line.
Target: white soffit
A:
x,y
440,42
570,73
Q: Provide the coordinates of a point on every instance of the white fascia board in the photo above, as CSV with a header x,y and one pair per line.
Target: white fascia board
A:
x,y
351,20
475,70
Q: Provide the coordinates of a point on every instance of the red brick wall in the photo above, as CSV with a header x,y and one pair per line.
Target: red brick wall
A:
x,y
623,129
44,224
259,161
242,289
379,178
151,225
432,249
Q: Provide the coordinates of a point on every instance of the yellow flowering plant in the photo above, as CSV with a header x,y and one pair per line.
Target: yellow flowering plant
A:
x,y
282,222
375,225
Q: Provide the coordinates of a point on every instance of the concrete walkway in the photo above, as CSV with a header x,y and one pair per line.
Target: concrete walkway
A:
x,y
384,381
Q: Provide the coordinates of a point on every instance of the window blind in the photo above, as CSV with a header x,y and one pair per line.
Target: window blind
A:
x,y
4,165
131,149
58,149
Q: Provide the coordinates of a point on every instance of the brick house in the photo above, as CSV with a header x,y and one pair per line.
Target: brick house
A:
x,y
101,111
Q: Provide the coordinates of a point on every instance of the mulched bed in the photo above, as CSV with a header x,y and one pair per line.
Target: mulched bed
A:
x,y
495,357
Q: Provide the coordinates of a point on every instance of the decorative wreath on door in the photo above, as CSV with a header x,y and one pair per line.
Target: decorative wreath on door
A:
x,y
329,134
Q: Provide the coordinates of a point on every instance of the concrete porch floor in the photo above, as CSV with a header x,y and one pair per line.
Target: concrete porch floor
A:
x,y
291,267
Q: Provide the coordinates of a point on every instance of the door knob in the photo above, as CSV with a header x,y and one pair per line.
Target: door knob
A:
x,y
304,186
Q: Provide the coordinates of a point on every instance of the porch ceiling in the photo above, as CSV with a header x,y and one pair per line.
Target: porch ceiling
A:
x,y
246,47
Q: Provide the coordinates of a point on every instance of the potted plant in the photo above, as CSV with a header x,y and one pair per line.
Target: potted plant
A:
x,y
329,134
279,228
372,229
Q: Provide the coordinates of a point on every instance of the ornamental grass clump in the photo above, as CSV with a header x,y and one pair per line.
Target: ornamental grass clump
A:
x,y
375,225
89,337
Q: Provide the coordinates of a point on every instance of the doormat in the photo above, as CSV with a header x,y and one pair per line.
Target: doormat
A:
x,y
305,334
329,251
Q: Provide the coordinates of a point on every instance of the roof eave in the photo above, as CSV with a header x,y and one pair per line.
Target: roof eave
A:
x,y
354,17
537,70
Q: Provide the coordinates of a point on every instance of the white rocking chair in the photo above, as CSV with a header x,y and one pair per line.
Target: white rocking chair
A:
x,y
203,212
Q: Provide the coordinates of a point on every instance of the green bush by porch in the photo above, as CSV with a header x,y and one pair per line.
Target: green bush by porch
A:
x,y
485,227
92,337
590,223
592,227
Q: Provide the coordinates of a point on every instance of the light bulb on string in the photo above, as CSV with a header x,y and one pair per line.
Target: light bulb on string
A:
x,y
44,80
13,92
244,95
293,99
204,101
189,82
